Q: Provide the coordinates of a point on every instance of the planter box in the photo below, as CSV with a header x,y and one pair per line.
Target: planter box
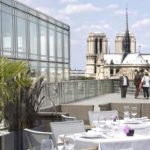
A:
x,y
7,141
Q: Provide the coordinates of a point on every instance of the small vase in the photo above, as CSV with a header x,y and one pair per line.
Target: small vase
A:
x,y
131,132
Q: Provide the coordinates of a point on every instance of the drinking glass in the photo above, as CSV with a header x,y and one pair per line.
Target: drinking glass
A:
x,y
69,142
47,144
133,111
126,112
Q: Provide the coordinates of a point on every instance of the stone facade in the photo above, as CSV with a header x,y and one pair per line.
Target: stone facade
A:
x,y
103,65
119,41
96,47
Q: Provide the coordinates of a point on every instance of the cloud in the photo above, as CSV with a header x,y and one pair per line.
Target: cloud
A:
x,y
93,28
68,1
80,8
144,45
142,23
27,2
120,12
112,6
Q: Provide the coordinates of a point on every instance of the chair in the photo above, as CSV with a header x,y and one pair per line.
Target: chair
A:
x,y
33,139
101,115
67,118
67,127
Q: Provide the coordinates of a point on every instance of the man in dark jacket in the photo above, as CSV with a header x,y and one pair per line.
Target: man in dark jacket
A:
x,y
124,83
137,81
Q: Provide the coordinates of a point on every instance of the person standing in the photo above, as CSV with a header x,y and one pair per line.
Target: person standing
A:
x,y
137,81
124,83
145,83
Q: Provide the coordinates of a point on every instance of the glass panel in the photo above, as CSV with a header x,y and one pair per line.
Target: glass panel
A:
x,y
44,67
33,40
59,72
8,2
43,17
59,24
59,46
34,68
21,43
52,71
43,40
20,6
33,19
66,32
7,9
42,22
7,34
21,14
66,48
51,45
59,29
51,26
67,27
32,11
66,72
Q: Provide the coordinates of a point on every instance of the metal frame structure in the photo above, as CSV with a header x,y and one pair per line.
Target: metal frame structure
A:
x,y
42,41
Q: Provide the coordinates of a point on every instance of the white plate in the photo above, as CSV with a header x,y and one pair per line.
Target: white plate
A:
x,y
98,129
146,120
92,135
132,122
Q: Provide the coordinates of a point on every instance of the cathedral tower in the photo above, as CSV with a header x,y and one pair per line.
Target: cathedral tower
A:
x,y
96,47
125,43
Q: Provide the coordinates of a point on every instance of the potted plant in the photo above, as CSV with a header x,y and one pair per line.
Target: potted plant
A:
x,y
19,95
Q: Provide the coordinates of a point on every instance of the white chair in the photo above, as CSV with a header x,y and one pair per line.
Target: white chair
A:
x,y
33,139
67,127
101,115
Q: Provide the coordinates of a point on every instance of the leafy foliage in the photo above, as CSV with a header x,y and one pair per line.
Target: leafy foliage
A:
x,y
18,94
13,77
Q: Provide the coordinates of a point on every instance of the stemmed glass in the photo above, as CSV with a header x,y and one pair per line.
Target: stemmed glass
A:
x,y
126,112
69,142
47,144
133,111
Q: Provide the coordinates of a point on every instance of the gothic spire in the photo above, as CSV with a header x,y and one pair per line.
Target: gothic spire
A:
x,y
127,29
126,40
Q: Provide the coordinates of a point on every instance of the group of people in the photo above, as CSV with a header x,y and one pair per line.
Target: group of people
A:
x,y
141,81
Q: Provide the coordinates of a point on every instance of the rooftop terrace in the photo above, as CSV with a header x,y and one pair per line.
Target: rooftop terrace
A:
x,y
112,97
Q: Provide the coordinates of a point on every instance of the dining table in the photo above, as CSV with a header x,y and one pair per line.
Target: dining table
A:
x,y
112,135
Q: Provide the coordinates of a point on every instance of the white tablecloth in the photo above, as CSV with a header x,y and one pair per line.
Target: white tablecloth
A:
x,y
140,140
136,142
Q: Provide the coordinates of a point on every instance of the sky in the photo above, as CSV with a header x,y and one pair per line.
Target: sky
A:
x,y
100,16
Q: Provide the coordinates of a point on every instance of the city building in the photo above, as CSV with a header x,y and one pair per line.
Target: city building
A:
x,y
42,41
119,46
76,74
96,47
102,65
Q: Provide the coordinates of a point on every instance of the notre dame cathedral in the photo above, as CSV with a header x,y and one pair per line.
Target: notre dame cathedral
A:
x,y
102,64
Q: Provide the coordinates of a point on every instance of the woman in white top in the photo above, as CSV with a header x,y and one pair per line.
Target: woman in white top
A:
x,y
146,85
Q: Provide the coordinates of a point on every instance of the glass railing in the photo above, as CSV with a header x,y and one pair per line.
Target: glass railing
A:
x,y
71,91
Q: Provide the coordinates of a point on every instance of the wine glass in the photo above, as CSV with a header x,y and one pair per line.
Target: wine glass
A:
x,y
47,144
133,111
126,112
69,142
